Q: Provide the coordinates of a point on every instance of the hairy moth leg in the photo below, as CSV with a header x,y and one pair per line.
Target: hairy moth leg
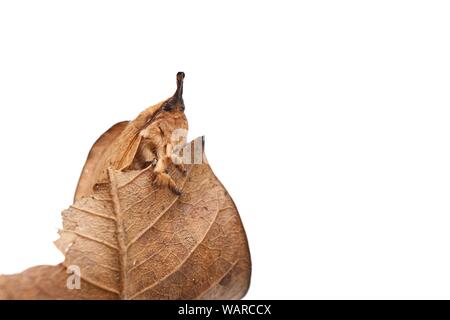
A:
x,y
175,159
162,179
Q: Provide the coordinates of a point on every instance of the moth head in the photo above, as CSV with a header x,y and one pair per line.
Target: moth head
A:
x,y
176,101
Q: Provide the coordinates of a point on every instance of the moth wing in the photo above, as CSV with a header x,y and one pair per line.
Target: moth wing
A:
x,y
116,149
85,182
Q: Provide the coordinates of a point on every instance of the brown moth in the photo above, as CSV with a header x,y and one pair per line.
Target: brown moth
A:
x,y
144,224
164,133
135,144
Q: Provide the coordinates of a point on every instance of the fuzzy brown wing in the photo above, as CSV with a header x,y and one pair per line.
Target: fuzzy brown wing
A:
x,y
115,149
85,182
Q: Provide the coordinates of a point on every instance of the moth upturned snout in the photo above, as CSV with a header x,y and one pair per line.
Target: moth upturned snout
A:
x,y
176,102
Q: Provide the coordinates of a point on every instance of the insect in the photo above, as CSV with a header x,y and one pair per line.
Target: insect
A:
x,y
153,138
161,138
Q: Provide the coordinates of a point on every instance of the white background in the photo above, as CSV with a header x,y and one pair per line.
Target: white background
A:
x,y
327,121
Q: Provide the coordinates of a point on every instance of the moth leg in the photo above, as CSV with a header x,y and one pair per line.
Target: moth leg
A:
x,y
176,160
162,179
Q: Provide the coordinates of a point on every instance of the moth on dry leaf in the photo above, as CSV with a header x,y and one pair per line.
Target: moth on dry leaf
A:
x,y
145,224
152,139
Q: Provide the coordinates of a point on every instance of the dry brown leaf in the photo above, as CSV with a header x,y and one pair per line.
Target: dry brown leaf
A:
x,y
134,241
49,283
